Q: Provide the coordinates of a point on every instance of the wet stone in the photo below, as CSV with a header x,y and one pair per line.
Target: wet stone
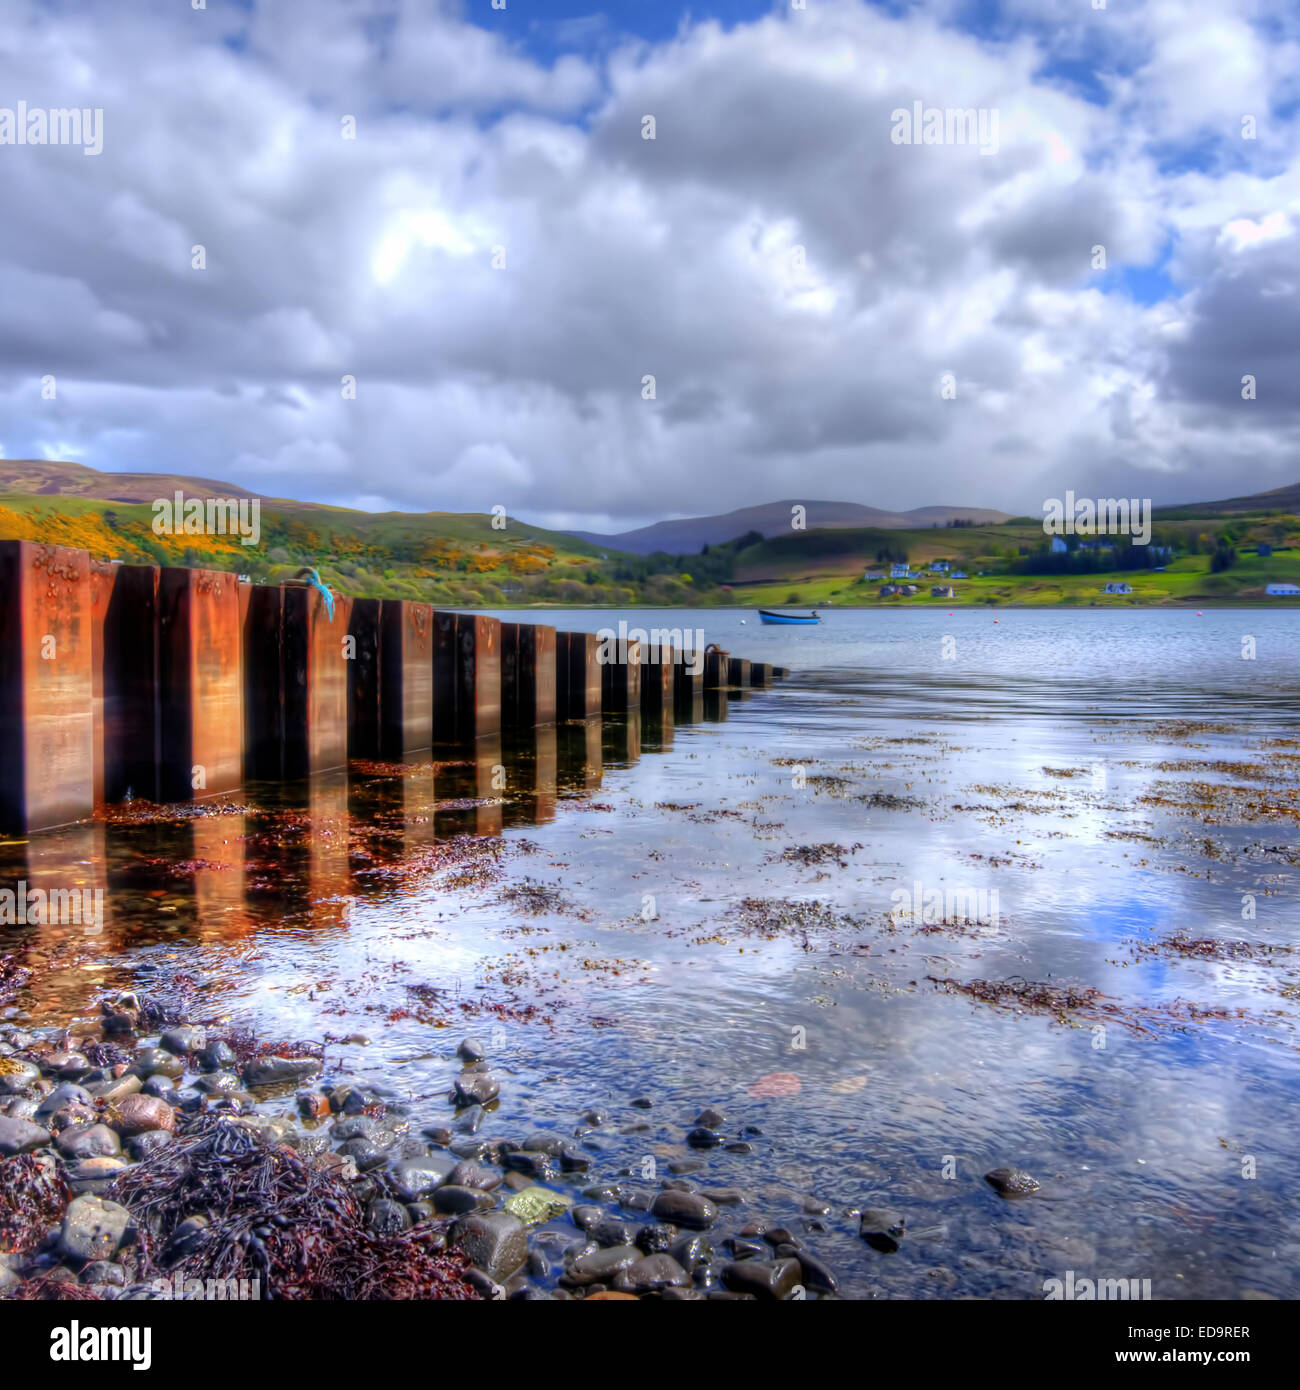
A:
x,y
281,1071
93,1229
65,1093
136,1114
21,1136
1011,1182
476,1088
387,1217
882,1230
601,1265
768,1279
156,1061
470,1050
183,1040
142,1146
652,1274
217,1056
88,1141
609,1230
692,1252
689,1209
450,1200
416,1177
494,1242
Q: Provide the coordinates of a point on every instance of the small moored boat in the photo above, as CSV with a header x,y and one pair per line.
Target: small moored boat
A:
x,y
795,619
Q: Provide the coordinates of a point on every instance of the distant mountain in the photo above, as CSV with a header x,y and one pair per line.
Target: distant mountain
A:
x,y
1279,499
689,534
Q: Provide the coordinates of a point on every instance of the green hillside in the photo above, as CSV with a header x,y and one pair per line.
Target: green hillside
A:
x,y
461,560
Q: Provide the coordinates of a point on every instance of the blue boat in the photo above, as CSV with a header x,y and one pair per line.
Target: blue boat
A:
x,y
792,619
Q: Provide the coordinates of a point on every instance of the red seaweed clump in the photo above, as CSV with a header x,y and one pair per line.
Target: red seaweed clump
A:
x,y
298,1230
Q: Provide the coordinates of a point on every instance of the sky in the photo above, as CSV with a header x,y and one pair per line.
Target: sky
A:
x,y
442,268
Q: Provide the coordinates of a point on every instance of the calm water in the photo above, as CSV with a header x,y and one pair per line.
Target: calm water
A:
x,y
678,912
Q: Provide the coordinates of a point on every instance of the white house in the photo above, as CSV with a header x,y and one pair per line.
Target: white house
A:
x,y
872,575
1117,586
1284,590
942,591
1058,546
958,574
897,571
940,566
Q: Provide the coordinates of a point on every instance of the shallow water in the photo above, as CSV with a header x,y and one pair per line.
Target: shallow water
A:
x,y
650,922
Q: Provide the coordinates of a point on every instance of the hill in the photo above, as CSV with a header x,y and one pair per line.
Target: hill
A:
x,y
1285,500
687,535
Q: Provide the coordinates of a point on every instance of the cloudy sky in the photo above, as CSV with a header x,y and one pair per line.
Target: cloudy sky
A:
x,y
499,258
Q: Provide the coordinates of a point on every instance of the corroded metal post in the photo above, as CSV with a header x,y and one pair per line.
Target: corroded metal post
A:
x,y
47,733
577,665
657,682
466,676
200,683
296,675
124,635
620,679
737,671
528,674
406,677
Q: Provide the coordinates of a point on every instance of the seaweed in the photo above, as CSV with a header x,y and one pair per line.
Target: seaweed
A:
x,y
297,1229
33,1195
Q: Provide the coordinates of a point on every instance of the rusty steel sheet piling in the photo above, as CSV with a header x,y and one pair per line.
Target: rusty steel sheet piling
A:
x,y
528,674
296,681
620,679
737,671
405,677
200,684
715,668
466,677
688,683
578,681
124,635
365,736
657,682
760,674
47,732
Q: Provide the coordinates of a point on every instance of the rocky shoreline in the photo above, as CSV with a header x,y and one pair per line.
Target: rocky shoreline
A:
x,y
148,1158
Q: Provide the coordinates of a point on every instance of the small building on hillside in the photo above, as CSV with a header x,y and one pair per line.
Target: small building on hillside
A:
x,y
1263,548
898,571
958,574
888,590
1284,590
1116,586
940,566
942,591
872,575
908,590
1058,546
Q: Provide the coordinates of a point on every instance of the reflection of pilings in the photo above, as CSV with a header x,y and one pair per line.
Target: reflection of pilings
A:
x,y
689,709
577,675
528,674
715,706
621,739
47,736
581,758
220,905
532,775
471,791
